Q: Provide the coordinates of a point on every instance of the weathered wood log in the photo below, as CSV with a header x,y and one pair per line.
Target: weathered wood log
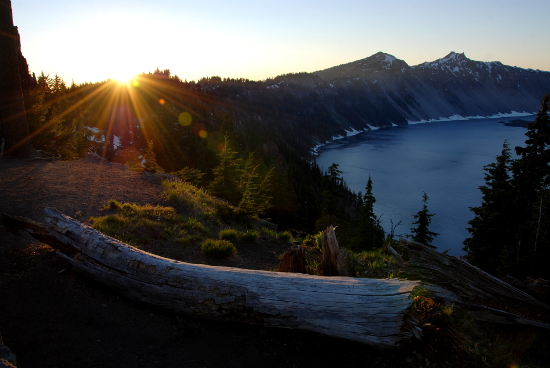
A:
x,y
333,262
456,281
293,261
369,311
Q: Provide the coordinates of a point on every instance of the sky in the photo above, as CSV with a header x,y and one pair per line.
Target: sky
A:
x,y
95,40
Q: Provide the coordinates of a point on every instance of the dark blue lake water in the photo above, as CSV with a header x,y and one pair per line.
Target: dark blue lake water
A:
x,y
443,159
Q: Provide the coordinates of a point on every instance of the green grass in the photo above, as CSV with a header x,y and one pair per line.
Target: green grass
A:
x,y
186,195
249,236
376,263
284,236
218,248
149,225
229,234
269,232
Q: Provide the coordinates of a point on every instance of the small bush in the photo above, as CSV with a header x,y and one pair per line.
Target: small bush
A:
x,y
284,236
112,205
218,248
376,266
268,232
313,240
190,175
195,225
249,236
228,234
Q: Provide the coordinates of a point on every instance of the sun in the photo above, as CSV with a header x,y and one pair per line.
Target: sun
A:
x,y
124,78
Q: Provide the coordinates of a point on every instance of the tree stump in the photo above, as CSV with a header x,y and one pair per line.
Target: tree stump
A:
x,y
293,261
334,261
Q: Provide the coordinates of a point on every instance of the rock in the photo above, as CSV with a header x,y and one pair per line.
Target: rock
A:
x,y
7,358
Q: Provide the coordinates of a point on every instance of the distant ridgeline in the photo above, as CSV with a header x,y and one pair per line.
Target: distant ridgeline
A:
x,y
382,91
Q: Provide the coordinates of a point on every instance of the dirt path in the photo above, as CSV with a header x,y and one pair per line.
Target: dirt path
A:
x,y
50,317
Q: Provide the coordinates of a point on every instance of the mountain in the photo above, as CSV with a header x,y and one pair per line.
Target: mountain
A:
x,y
453,85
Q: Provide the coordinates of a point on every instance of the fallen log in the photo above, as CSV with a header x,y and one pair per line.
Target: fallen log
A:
x,y
369,311
454,280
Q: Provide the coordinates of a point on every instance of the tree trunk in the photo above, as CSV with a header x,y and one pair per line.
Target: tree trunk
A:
x,y
369,311
335,262
293,261
456,281
14,131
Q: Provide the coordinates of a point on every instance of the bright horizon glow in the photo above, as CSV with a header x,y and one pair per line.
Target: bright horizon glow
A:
x,y
125,79
95,41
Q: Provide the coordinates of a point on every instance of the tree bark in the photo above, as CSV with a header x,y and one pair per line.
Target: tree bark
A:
x,y
454,280
14,131
369,311
293,261
334,262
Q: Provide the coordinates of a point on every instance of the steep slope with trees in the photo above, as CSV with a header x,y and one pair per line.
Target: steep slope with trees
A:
x,y
510,228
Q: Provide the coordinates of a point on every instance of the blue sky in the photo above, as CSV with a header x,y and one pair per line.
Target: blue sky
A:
x,y
98,39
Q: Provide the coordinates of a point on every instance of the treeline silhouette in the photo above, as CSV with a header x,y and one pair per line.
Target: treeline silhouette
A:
x,y
189,122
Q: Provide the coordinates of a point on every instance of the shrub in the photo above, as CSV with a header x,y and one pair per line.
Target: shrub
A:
x,y
284,236
269,232
218,248
249,236
376,265
228,234
112,205
190,175
313,240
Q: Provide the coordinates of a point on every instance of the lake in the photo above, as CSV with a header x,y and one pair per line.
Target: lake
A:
x,y
443,159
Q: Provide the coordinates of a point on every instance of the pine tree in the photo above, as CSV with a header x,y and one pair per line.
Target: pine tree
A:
x,y
227,175
421,232
370,234
509,231
255,198
531,173
150,159
494,225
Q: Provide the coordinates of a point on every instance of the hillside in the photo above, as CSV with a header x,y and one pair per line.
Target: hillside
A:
x,y
51,316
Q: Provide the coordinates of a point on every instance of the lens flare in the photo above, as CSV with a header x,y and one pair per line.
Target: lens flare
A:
x,y
203,134
161,101
185,119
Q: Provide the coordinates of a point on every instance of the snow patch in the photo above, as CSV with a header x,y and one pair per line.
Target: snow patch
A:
x,y
456,117
116,141
352,132
388,60
92,129
315,150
